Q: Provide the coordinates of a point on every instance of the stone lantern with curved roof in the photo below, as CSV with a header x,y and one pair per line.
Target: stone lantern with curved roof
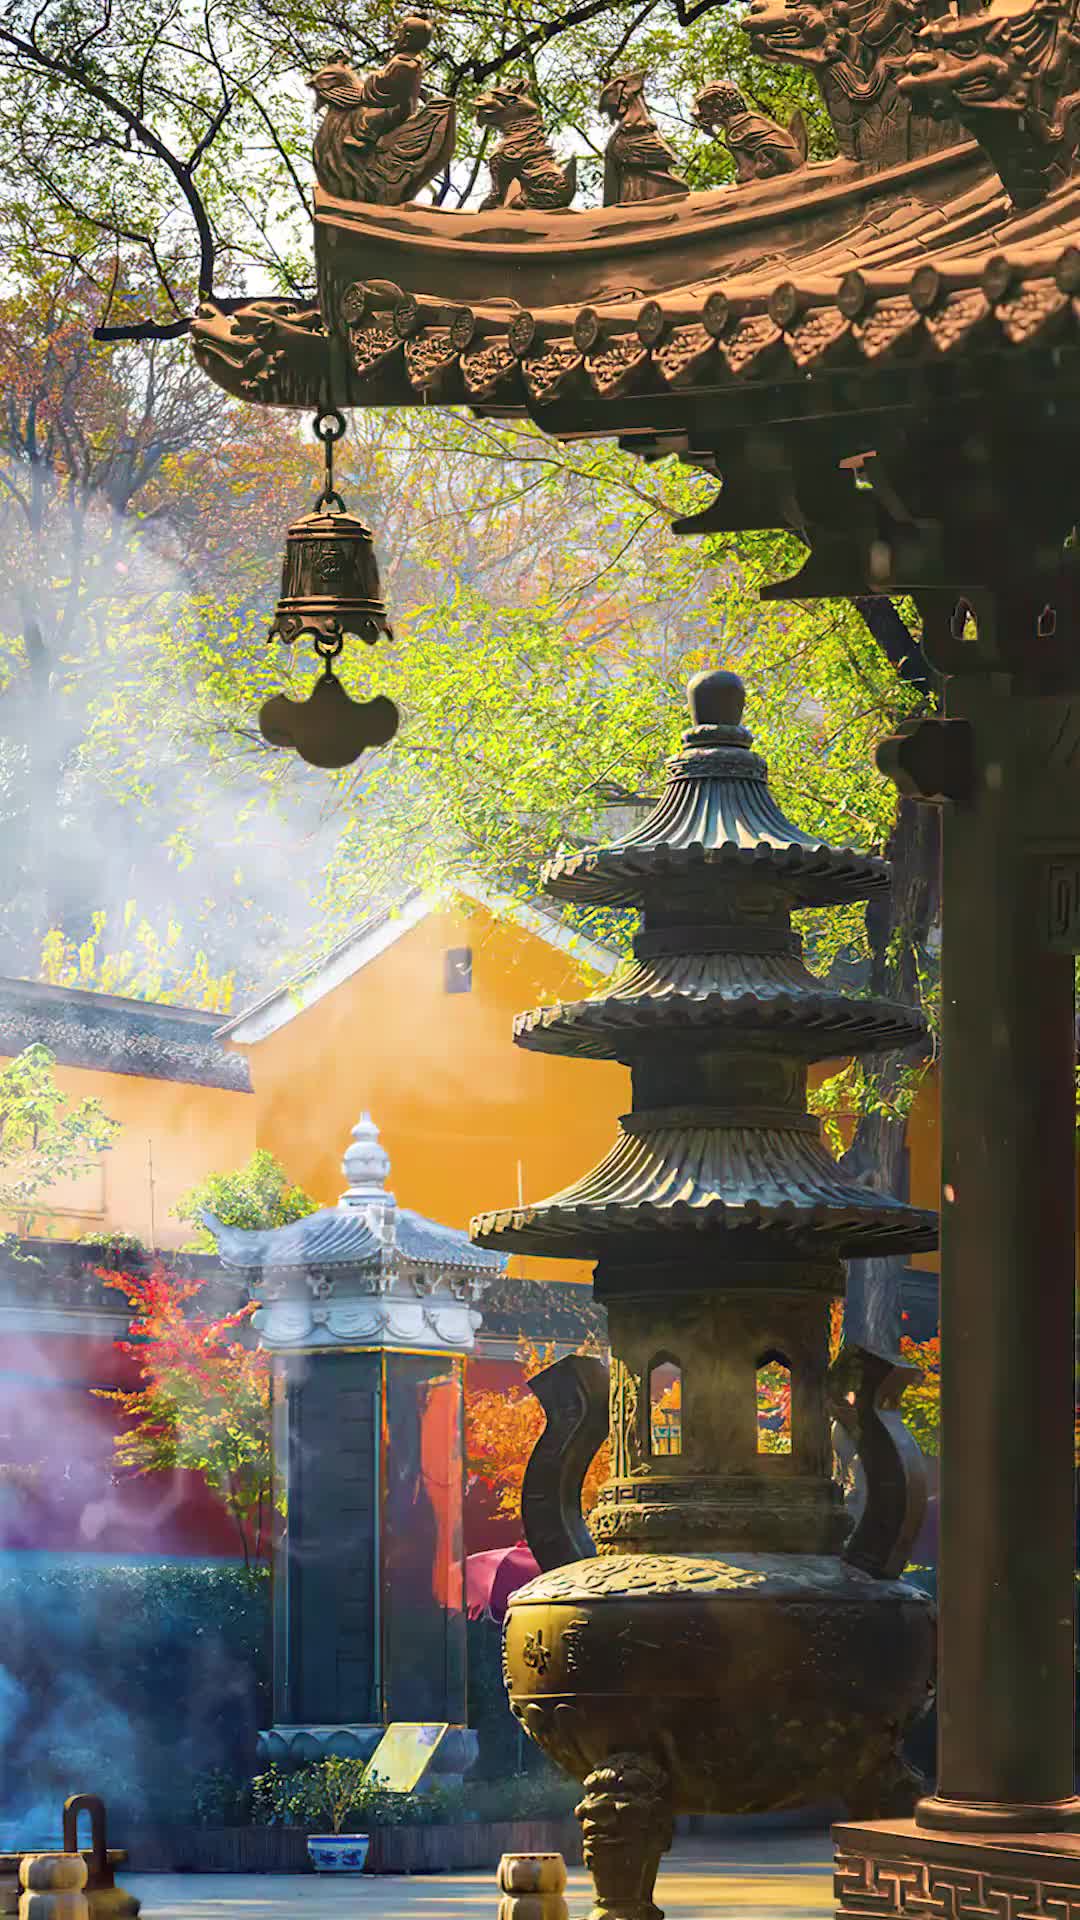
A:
x,y
368,1309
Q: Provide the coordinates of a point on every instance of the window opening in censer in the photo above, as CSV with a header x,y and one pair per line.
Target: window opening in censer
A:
x,y
665,1407
773,1382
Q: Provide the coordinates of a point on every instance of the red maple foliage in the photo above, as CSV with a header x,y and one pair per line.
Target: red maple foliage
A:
x,y
204,1401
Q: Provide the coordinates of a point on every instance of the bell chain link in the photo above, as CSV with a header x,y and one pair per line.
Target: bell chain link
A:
x,y
328,426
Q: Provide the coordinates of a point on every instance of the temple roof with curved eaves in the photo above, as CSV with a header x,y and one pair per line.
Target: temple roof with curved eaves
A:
x,y
367,1231
617,316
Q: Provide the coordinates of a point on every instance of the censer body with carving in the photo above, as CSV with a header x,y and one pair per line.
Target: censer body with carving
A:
x,y
733,1645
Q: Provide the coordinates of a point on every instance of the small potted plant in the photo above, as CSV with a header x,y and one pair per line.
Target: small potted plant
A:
x,y
336,1787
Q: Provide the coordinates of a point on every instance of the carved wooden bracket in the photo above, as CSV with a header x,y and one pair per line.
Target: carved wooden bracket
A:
x,y
574,1396
931,760
864,1391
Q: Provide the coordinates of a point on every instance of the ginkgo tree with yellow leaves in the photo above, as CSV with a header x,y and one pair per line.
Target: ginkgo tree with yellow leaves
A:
x,y
135,960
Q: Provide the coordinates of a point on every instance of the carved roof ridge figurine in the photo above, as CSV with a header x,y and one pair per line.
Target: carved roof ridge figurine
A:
x,y
638,163
761,148
523,167
376,142
1012,77
856,50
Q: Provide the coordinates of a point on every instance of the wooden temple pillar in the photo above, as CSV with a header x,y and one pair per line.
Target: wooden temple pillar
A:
x,y
1003,1825
1011,890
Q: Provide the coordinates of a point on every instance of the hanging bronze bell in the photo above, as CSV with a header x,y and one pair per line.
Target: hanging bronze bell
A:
x,y
330,580
329,587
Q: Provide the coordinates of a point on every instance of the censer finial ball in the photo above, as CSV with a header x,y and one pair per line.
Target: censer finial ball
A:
x,y
716,699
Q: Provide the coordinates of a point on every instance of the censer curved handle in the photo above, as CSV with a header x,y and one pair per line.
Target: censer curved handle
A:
x,y
574,1395
92,1804
864,1391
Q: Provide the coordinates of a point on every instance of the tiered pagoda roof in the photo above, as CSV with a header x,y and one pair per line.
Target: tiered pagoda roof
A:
x,y
716,1143
364,1272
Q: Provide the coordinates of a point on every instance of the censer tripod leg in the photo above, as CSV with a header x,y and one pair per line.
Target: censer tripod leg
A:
x,y
627,1826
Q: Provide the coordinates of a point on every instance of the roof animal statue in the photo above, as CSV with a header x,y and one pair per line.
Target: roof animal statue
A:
x,y
376,141
760,147
523,167
856,50
1012,77
638,164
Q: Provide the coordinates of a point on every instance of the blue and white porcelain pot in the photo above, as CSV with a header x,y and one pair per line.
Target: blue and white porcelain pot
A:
x,y
338,1852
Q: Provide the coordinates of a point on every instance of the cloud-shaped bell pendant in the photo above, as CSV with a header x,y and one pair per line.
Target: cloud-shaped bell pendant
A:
x,y
329,588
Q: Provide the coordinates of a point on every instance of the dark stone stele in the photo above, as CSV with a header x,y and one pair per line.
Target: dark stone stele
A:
x,y
367,1310
736,1644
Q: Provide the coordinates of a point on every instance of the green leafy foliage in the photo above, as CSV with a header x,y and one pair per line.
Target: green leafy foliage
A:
x,y
130,1679
346,1796
258,1195
44,1136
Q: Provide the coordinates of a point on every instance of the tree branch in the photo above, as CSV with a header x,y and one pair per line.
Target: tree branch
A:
x,y
896,640
172,329
34,56
528,44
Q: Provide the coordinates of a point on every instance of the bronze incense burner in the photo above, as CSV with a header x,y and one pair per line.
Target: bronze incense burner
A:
x,y
735,1645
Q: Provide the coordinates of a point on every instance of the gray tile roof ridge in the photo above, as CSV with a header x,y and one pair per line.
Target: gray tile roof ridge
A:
x,y
43,992
115,1034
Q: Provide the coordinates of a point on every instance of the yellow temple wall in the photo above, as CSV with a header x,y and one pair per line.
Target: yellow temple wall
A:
x,y
469,1120
171,1136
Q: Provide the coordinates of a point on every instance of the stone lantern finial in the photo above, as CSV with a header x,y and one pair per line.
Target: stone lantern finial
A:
x,y
366,1166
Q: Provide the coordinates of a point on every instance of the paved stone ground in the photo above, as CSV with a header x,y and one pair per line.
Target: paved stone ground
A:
x,y
780,1876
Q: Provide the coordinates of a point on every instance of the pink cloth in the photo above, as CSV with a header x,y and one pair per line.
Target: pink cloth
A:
x,y
490,1579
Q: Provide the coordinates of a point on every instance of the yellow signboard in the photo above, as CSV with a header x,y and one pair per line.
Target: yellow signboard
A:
x,y
405,1753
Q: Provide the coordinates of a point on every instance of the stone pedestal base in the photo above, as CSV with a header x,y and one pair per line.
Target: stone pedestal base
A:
x,y
893,1867
454,1755
296,1746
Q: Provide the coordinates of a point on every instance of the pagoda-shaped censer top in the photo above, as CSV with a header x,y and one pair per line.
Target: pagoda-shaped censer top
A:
x,y
736,1646
718,1018
716,814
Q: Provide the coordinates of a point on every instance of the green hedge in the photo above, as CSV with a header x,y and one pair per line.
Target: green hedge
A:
x,y
129,1680
330,1791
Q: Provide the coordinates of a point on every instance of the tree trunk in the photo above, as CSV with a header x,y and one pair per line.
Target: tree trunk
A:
x,y
898,929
